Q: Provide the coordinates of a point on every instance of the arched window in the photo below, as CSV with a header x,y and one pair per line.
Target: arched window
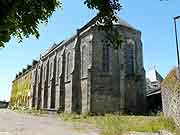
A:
x,y
44,72
58,67
105,62
83,61
129,62
38,75
68,66
50,71
34,76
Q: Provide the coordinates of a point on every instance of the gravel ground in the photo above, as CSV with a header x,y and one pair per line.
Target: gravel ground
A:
x,y
12,123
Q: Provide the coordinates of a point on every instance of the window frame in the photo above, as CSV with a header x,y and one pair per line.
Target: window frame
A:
x,y
50,70
84,64
105,58
129,58
68,66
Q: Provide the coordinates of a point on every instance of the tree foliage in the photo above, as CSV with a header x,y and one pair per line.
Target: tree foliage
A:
x,y
21,18
107,11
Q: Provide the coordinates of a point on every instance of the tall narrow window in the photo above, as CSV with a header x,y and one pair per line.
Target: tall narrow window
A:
x,y
68,66
34,76
84,61
50,71
44,74
38,75
58,67
105,63
129,58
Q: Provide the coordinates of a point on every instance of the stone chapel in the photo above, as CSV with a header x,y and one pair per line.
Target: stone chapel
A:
x,y
82,74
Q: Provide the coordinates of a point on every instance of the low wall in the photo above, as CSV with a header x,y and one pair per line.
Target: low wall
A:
x,y
171,104
171,97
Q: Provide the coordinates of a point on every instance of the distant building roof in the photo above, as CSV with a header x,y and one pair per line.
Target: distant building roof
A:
x,y
153,76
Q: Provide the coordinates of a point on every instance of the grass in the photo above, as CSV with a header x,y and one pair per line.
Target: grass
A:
x,y
32,111
35,111
112,124
74,117
115,125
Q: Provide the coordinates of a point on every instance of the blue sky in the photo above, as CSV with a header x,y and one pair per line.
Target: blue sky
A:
x,y
153,18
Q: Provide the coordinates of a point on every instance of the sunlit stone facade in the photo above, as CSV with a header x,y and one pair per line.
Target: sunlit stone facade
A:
x,y
82,74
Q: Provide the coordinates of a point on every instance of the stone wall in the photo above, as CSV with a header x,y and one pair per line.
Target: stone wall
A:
x,y
115,90
21,87
171,104
171,97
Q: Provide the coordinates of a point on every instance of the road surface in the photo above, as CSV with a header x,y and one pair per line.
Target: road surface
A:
x,y
13,123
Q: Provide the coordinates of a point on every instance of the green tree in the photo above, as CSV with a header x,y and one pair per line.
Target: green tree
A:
x,y
107,11
21,18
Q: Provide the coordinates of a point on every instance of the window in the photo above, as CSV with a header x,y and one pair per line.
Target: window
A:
x,y
128,49
50,71
44,74
34,76
38,77
58,67
38,74
105,63
68,66
83,61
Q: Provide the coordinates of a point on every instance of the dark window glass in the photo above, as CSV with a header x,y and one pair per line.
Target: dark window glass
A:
x,y
129,59
105,64
68,66
50,71
44,72
58,67
84,62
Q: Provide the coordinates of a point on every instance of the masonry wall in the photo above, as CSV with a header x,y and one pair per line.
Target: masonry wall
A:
x,y
103,97
61,78
171,104
116,90
45,75
170,92
20,93
135,97
85,70
70,77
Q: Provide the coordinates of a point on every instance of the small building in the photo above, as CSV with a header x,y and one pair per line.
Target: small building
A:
x,y
153,91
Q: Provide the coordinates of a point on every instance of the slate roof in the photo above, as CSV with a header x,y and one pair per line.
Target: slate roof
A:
x,y
90,23
124,23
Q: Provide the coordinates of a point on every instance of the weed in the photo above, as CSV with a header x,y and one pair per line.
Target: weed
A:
x,y
114,124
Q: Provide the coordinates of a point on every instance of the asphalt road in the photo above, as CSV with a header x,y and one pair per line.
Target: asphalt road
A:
x,y
12,123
